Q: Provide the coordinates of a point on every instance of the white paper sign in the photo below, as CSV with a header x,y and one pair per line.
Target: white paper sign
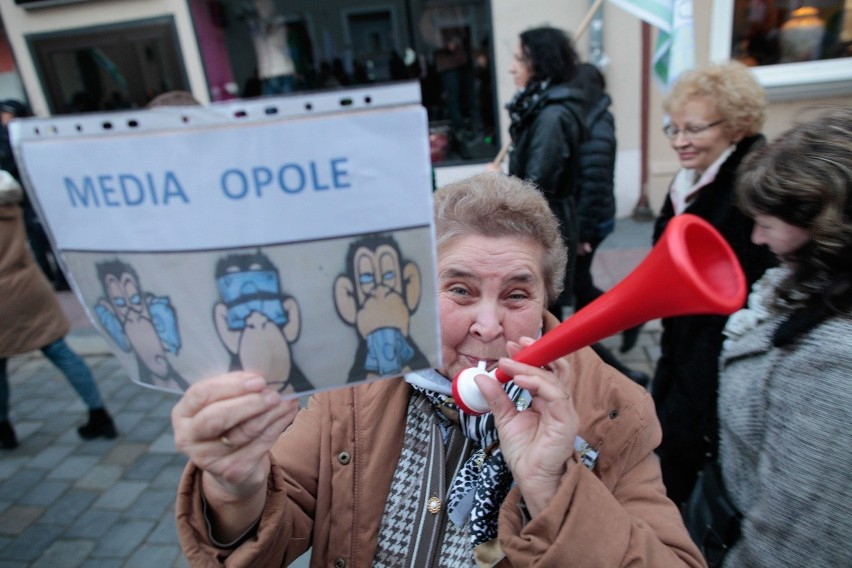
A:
x,y
300,247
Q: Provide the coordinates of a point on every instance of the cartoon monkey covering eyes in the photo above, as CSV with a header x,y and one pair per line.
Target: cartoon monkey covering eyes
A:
x,y
256,322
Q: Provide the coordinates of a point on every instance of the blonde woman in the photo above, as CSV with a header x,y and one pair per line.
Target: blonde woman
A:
x,y
715,117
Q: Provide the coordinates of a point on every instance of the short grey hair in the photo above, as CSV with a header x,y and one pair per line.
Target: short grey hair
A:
x,y
495,205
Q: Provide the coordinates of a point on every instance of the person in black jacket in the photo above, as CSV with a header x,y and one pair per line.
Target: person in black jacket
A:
x,y
547,128
715,116
595,198
595,194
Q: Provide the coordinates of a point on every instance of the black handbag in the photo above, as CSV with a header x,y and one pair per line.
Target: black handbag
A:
x,y
712,520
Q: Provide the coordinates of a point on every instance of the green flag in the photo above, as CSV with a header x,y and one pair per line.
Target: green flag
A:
x,y
675,50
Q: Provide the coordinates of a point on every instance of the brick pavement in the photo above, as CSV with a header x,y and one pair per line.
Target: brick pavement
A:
x,y
66,503
102,503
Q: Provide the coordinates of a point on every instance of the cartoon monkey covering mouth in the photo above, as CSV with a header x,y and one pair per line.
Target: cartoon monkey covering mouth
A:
x,y
377,295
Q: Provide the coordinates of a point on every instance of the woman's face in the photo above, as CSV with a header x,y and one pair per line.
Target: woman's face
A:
x,y
521,68
781,237
701,134
490,291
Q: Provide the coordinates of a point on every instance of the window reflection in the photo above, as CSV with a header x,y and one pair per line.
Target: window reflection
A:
x,y
277,46
255,48
108,67
769,32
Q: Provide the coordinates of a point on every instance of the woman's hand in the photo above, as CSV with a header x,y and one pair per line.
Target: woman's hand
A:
x,y
538,443
226,425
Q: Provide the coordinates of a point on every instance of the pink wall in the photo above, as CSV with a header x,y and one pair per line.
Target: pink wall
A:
x,y
211,43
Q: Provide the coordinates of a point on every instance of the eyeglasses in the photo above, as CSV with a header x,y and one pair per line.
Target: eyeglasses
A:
x,y
690,132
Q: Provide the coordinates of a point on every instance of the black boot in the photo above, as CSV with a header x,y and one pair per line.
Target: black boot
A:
x,y
8,440
100,424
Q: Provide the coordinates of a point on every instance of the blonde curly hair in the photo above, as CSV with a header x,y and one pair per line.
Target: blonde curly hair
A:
x,y
731,87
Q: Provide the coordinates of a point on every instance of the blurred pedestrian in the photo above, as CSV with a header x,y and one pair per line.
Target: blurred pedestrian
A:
x,y
715,115
33,319
36,236
785,388
595,193
547,128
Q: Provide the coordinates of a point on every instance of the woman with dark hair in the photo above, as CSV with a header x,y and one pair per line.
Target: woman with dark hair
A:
x,y
550,54
547,128
785,384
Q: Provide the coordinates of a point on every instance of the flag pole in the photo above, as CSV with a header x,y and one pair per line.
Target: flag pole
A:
x,y
642,210
581,29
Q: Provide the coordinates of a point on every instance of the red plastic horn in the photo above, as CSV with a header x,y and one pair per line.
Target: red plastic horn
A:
x,y
691,270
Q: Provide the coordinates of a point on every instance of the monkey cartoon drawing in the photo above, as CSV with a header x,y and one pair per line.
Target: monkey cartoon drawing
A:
x,y
377,295
140,322
256,322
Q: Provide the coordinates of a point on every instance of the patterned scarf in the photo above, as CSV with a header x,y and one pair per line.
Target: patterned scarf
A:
x,y
522,104
478,490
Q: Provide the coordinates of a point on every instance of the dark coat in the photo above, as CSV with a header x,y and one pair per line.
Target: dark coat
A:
x,y
686,378
595,194
544,144
545,152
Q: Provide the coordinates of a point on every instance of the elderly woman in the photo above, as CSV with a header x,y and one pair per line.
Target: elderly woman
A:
x,y
715,116
390,473
785,389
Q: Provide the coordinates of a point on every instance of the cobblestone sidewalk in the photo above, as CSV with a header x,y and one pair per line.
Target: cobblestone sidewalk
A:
x,y
101,503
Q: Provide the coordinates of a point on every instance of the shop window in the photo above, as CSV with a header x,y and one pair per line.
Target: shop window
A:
x,y
796,47
371,33
108,67
277,47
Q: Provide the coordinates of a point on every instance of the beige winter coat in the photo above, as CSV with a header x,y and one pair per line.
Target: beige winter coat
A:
x,y
30,315
332,471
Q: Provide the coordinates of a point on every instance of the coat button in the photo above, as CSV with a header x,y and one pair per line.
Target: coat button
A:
x,y
433,505
344,458
339,562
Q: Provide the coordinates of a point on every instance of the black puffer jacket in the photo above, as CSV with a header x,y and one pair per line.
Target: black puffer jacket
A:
x,y
595,195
